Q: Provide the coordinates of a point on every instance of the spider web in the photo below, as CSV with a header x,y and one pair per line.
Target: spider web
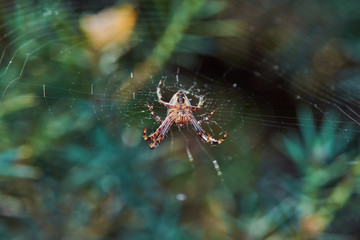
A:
x,y
254,96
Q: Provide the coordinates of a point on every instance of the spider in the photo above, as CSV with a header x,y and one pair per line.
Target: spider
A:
x,y
180,113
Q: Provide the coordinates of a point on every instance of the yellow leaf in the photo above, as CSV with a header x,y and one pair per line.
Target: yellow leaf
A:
x,y
112,26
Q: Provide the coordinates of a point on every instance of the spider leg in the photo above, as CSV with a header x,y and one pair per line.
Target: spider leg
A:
x,y
200,103
160,133
207,118
153,114
194,84
158,93
202,134
210,139
152,137
147,138
168,105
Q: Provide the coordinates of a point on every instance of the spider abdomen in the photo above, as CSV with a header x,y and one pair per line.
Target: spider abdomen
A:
x,y
182,119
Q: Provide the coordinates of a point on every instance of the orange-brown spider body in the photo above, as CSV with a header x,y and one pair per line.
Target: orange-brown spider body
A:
x,y
180,113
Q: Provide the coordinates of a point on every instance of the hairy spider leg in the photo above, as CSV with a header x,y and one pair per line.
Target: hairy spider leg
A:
x,y
188,91
153,114
194,84
199,105
152,137
147,138
201,98
207,118
202,134
210,139
160,133
158,93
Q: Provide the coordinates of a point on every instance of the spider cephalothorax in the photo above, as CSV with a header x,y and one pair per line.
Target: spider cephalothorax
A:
x,y
180,113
